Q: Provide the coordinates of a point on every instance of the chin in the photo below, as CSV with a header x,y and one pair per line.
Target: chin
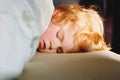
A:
x,y
46,51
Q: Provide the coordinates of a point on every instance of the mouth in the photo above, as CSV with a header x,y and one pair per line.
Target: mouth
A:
x,y
46,46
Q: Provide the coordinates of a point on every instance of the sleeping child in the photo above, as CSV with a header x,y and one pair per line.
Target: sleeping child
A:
x,y
73,28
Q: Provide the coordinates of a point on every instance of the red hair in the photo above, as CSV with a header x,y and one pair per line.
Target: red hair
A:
x,y
87,32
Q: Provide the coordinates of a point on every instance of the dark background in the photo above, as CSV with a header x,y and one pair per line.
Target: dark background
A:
x,y
111,13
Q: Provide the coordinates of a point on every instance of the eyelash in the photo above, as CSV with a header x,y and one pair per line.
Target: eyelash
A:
x,y
60,35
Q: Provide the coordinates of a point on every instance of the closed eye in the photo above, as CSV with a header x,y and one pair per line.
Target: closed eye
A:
x,y
60,35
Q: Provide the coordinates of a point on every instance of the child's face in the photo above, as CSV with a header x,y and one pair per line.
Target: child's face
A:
x,y
56,41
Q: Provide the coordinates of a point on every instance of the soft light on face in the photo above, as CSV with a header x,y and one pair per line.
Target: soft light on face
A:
x,y
54,40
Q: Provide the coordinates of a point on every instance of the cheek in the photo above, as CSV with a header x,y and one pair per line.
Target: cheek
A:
x,y
68,43
49,35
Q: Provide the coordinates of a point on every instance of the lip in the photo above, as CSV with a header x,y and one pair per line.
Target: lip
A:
x,y
42,44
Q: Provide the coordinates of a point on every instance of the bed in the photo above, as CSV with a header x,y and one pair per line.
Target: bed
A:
x,y
103,65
